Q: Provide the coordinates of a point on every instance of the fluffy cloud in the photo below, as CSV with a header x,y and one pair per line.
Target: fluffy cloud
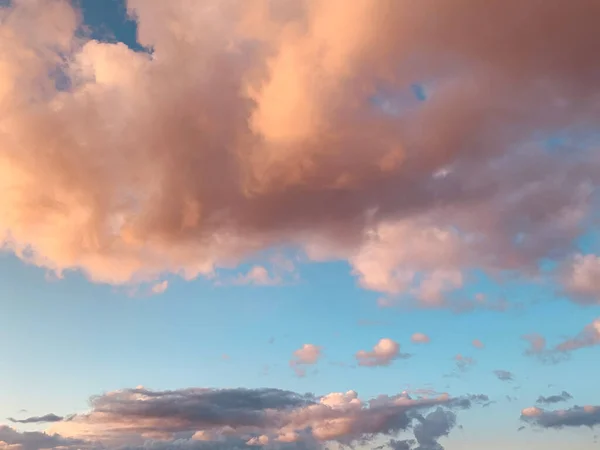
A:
x,y
383,353
430,428
253,417
588,416
308,354
562,397
582,278
267,127
420,338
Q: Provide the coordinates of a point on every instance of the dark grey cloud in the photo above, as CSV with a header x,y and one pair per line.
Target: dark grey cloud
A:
x,y
433,426
578,416
562,397
401,444
209,407
38,419
504,375
257,416
34,440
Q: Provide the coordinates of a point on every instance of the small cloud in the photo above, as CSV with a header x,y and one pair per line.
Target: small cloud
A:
x,y
504,375
537,344
38,419
588,337
564,396
463,363
308,354
383,353
258,276
160,288
477,343
420,338
578,416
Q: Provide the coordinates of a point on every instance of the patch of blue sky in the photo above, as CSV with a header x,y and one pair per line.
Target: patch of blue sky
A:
x,y
108,21
400,102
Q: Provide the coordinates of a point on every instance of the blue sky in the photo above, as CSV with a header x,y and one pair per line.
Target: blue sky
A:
x,y
319,255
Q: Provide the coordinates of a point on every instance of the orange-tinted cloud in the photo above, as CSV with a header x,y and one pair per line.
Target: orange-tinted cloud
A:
x,y
420,338
254,124
383,354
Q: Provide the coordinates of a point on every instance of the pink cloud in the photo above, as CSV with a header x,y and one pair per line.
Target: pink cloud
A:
x,y
581,277
258,135
478,344
258,275
588,337
308,354
420,338
255,416
383,354
160,288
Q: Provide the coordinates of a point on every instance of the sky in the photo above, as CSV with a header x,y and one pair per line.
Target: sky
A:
x,y
299,225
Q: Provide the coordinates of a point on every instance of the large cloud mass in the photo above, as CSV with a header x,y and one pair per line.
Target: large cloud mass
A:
x,y
237,418
257,123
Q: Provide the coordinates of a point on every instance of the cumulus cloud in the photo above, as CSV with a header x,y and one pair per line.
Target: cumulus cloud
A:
x,y
430,428
420,338
582,278
562,397
504,375
250,417
578,416
383,354
269,127
308,354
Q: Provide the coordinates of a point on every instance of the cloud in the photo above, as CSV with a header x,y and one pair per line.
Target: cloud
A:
x,y
504,375
420,338
11,439
537,344
463,363
430,428
248,416
267,128
478,344
258,275
581,278
562,397
586,416
383,354
308,354
160,288
588,337
38,419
